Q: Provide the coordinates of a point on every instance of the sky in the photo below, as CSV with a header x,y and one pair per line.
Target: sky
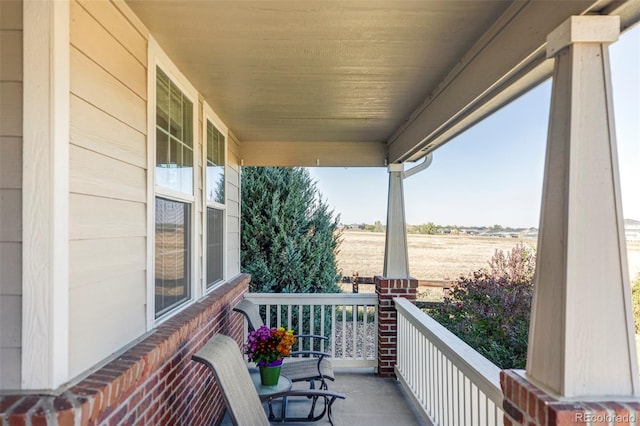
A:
x,y
492,173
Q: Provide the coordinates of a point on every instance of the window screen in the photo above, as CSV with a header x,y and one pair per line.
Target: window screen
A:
x,y
172,254
215,226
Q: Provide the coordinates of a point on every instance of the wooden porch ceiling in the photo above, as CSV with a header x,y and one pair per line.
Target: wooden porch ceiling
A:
x,y
354,82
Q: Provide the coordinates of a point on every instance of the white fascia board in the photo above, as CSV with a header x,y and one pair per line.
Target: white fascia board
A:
x,y
512,48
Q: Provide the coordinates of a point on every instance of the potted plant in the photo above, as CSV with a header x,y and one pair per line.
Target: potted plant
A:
x,y
267,347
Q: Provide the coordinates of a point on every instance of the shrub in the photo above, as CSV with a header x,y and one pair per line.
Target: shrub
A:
x,y
489,309
635,298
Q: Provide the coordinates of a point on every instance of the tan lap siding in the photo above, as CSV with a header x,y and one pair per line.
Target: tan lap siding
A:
x,y
107,183
10,193
233,207
121,142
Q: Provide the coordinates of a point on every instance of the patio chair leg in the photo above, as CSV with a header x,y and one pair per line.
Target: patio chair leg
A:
x,y
323,386
313,407
271,415
329,413
284,409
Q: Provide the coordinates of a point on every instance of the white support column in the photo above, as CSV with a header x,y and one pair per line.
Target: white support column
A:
x,y
581,341
45,203
396,258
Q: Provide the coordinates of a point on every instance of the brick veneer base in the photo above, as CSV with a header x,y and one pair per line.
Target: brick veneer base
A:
x,y
387,289
152,383
526,404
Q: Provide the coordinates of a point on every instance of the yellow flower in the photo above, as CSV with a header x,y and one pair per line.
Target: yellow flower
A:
x,y
265,345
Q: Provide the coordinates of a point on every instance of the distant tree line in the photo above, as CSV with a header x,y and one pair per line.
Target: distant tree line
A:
x,y
433,229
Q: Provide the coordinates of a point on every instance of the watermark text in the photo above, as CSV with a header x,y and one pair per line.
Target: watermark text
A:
x,y
605,418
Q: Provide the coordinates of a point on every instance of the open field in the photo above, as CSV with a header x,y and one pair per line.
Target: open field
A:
x,y
437,257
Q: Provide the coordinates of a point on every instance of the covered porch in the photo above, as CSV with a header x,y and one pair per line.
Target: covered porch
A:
x,y
421,373
98,329
372,400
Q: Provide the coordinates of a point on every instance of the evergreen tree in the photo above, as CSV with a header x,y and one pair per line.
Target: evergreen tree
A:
x,y
289,236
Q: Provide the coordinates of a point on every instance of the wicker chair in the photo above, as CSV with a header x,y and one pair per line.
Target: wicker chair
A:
x,y
222,355
312,366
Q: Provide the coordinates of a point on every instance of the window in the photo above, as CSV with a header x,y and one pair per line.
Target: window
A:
x,y
187,181
215,165
215,190
174,136
215,229
173,239
174,178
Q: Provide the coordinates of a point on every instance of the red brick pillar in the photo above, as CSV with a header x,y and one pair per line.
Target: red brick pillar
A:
x,y
387,289
526,404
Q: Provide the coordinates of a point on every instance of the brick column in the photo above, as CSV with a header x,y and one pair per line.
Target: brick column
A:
x,y
387,289
526,404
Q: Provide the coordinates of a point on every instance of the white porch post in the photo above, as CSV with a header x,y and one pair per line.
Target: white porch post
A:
x,y
581,341
45,203
396,258
395,281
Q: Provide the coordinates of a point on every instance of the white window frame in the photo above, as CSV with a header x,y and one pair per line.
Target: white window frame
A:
x,y
158,58
208,115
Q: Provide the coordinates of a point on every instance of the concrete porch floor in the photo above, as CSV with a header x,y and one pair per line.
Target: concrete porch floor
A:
x,y
370,401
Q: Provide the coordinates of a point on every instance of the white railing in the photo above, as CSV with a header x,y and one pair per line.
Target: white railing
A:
x,y
353,338
448,380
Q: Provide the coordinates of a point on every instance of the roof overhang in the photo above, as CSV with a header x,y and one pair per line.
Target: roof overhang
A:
x,y
506,63
359,83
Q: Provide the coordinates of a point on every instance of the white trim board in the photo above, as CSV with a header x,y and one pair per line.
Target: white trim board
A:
x,y
45,203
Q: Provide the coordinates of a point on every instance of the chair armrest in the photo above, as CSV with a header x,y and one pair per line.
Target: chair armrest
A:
x,y
310,352
305,393
314,353
311,336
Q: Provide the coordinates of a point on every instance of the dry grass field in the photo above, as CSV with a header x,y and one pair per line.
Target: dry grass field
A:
x,y
436,257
